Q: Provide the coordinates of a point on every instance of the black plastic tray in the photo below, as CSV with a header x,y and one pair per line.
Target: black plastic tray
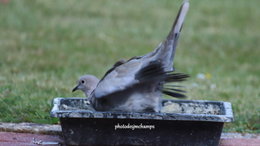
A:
x,y
181,122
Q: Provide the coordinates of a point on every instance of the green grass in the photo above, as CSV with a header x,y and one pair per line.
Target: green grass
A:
x,y
46,45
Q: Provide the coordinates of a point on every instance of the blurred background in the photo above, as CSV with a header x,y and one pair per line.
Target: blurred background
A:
x,y
45,45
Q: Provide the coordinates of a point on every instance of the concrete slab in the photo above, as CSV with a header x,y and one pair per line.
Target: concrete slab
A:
x,y
28,139
239,142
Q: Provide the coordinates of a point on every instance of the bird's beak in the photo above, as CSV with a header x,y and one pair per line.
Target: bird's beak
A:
x,y
76,88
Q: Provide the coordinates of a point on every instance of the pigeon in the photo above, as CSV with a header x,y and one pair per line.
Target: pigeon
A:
x,y
137,85
87,84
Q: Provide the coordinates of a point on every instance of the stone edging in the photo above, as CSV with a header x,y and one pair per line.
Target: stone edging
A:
x,y
31,128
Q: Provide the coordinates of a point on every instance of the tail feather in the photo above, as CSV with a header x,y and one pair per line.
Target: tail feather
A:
x,y
172,90
176,77
176,90
173,86
154,73
174,94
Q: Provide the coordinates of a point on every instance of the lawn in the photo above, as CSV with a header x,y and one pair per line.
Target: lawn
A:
x,y
45,45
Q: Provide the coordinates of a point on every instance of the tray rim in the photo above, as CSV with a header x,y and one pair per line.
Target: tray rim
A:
x,y
226,117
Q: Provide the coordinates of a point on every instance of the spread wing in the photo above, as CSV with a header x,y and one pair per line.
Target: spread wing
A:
x,y
124,75
137,71
120,78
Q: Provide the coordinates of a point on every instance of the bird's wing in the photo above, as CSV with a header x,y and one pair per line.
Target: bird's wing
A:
x,y
118,63
166,50
123,75
136,72
118,79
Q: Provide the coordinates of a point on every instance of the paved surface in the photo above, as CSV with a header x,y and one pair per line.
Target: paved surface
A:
x,y
238,139
240,142
28,139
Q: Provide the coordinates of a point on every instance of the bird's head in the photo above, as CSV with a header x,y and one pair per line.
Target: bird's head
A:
x,y
87,84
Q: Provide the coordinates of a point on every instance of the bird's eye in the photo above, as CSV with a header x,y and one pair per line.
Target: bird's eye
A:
x,y
82,81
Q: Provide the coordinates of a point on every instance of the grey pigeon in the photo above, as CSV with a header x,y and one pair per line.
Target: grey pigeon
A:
x,y
87,84
137,85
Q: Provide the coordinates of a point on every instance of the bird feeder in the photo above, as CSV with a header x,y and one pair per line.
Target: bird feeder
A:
x,y
181,122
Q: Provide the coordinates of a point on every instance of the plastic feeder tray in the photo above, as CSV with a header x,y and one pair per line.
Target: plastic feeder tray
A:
x,y
181,122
